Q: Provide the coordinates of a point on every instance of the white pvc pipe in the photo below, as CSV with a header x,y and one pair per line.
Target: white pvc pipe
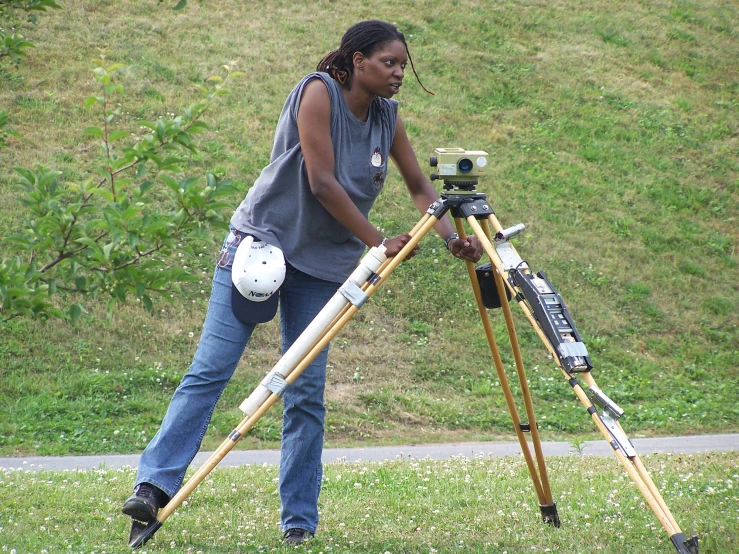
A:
x,y
303,344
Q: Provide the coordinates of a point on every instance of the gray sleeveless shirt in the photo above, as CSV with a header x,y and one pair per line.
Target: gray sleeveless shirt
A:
x,y
281,209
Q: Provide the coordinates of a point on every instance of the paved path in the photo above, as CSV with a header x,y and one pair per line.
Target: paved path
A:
x,y
677,445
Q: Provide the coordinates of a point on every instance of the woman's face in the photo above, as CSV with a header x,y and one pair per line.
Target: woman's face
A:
x,y
382,72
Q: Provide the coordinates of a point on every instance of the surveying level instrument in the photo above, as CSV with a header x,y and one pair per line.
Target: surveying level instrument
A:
x,y
459,168
494,284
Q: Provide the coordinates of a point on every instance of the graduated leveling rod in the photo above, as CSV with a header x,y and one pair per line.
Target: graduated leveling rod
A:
x,y
507,276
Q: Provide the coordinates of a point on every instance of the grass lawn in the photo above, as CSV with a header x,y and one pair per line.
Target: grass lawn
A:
x,y
417,506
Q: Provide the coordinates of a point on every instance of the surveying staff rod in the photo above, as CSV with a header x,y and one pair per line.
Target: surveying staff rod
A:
x,y
656,502
542,490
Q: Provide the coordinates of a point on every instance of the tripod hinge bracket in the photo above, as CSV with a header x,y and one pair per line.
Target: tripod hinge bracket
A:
x,y
438,208
509,258
479,208
599,398
619,437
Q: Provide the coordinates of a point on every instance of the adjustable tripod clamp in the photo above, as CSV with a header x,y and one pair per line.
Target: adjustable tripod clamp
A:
x,y
507,234
600,399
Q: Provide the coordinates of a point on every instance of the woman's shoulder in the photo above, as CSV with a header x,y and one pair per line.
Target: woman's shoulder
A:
x,y
295,96
317,75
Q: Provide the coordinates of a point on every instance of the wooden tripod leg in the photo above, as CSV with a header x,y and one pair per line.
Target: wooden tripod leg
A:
x,y
629,459
521,372
539,479
318,334
644,475
248,422
525,392
654,505
140,535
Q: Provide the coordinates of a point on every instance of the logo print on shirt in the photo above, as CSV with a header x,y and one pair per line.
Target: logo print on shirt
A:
x,y
376,159
378,179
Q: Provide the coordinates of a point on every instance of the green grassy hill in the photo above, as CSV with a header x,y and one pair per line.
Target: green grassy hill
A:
x,y
613,132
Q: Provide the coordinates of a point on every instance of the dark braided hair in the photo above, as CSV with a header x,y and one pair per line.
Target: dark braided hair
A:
x,y
365,37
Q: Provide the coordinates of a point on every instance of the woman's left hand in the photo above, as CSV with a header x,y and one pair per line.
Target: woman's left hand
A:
x,y
469,248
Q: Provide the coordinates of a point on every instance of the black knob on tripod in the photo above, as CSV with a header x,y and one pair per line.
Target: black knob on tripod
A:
x,y
434,177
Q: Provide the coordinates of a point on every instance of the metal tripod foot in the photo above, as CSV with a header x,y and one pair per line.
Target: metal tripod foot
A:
x,y
142,532
685,545
549,515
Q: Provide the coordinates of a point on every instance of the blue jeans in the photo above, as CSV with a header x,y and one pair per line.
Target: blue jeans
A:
x,y
222,343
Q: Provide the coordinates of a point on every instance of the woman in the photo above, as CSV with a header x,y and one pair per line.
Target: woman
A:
x,y
329,161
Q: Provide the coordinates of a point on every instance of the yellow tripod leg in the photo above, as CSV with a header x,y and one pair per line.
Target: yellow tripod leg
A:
x,y
540,479
320,338
615,435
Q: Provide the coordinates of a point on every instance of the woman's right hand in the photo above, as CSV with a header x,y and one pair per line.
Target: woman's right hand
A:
x,y
394,245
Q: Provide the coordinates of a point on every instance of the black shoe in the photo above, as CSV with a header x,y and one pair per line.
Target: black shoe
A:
x,y
296,536
144,503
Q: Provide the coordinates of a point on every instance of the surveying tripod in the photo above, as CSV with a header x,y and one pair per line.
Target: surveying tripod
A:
x,y
507,276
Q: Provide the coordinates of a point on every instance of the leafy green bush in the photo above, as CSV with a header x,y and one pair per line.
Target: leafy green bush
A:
x,y
112,233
